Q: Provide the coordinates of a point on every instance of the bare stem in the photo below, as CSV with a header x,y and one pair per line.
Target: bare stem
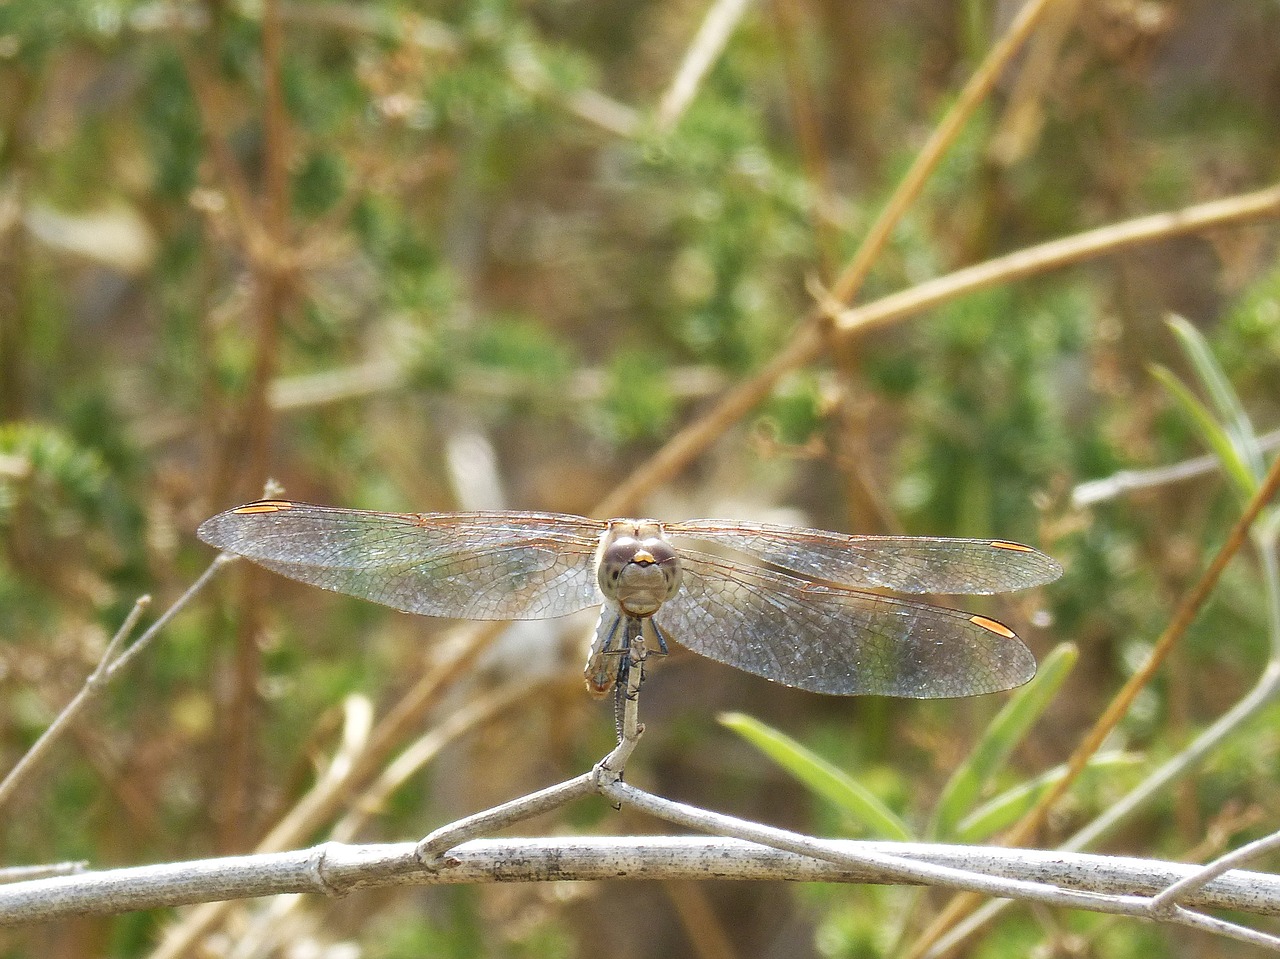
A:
x,y
1126,481
431,848
1109,884
807,343
1056,254
717,27
908,190
608,771
111,663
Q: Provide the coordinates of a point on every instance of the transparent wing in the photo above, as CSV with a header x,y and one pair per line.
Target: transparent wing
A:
x,y
908,564
832,640
495,565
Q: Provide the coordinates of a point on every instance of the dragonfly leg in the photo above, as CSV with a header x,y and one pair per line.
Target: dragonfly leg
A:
x,y
661,649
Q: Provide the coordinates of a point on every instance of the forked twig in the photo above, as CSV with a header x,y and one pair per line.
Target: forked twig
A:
x,y
430,851
335,869
807,344
898,869
434,850
1183,889
1066,251
113,661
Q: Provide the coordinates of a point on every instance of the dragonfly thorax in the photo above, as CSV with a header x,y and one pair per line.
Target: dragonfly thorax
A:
x,y
638,569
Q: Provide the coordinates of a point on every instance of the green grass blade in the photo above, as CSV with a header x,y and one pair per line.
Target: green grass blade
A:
x,y
1011,805
1211,432
820,776
1231,413
1005,731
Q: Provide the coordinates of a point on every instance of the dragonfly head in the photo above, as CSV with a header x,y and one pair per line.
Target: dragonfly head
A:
x,y
638,568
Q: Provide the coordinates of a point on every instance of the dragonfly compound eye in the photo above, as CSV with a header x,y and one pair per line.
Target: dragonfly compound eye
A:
x,y
663,555
616,557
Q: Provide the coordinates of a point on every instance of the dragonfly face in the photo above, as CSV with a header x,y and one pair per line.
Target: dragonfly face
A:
x,y
639,569
801,607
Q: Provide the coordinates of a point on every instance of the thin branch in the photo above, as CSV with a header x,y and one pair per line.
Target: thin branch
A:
x,y
430,852
528,73
209,99
108,667
1183,888
1056,254
378,376
1023,113
908,190
899,870
709,42
338,869
789,20
894,868
1127,481
42,870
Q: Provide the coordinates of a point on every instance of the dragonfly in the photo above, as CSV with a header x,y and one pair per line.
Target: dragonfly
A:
x,y
802,607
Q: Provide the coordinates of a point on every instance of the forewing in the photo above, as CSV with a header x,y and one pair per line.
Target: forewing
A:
x,y
494,565
841,641
907,564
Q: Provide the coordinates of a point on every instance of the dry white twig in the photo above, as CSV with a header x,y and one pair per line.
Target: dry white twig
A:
x,y
1126,481
707,45
1072,879
111,664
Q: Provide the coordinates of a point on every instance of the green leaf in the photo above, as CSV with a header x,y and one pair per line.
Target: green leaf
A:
x,y
1213,435
1231,413
1011,805
820,776
1005,731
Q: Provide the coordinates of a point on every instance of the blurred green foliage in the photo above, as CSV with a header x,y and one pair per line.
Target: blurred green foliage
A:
x,y
488,231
